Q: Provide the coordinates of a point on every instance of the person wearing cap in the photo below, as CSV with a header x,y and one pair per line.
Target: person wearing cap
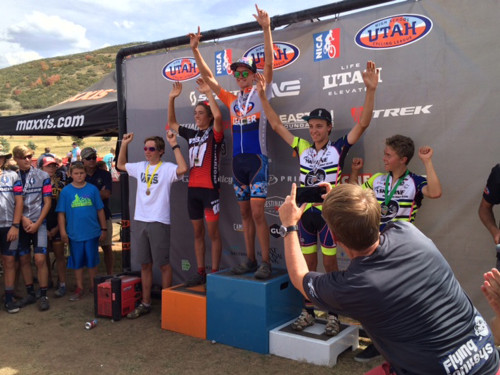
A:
x,y
321,161
55,243
101,179
11,210
151,224
37,194
39,162
250,161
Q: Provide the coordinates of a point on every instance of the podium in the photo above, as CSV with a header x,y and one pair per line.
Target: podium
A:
x,y
241,310
312,345
184,310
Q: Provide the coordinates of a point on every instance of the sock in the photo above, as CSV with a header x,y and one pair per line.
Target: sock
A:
x,y
201,271
309,307
30,289
9,294
146,304
215,270
43,292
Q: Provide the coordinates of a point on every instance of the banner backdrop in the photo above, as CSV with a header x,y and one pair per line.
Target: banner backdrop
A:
x,y
438,85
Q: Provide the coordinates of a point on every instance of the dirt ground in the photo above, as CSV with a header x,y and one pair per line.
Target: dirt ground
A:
x,y
56,342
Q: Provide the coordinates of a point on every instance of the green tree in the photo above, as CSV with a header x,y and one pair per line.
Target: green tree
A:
x,y
106,139
5,143
78,141
31,145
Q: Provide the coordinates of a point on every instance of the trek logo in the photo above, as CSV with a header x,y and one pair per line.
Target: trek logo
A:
x,y
284,54
326,45
393,32
272,205
181,69
223,61
404,111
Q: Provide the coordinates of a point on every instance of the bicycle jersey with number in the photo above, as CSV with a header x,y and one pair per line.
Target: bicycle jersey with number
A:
x,y
36,185
406,200
204,154
323,165
248,120
10,186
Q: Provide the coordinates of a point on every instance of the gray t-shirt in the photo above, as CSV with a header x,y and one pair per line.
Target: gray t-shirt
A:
x,y
408,300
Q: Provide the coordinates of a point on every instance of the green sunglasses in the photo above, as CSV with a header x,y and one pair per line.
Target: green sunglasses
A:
x,y
243,74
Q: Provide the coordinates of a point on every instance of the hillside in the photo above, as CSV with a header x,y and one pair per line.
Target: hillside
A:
x,y
38,84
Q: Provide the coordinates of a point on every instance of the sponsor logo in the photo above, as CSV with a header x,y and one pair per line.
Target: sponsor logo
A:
x,y
404,111
356,114
238,227
272,205
295,121
272,180
181,69
346,78
327,45
89,95
284,54
274,230
223,61
51,123
393,32
286,88
225,180
362,178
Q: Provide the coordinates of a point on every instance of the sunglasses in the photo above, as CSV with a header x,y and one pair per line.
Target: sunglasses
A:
x,y
27,156
150,149
243,74
91,158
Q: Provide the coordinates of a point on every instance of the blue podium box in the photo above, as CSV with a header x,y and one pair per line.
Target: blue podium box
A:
x,y
241,310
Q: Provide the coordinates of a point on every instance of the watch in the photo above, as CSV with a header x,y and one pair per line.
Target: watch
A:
x,y
283,231
15,225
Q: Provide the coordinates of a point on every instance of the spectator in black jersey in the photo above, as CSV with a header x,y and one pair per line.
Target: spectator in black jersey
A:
x,y
203,189
491,197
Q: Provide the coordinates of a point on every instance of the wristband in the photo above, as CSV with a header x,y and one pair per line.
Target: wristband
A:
x,y
15,225
174,147
104,228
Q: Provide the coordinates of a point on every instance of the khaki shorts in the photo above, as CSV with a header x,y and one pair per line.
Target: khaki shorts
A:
x,y
151,242
109,234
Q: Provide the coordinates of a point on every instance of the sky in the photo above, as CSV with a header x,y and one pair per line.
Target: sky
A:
x,y
34,29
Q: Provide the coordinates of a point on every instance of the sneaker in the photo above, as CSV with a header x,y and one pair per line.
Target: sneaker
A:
x,y
60,292
140,310
332,327
77,296
245,267
196,280
304,320
28,300
43,303
263,272
368,354
12,307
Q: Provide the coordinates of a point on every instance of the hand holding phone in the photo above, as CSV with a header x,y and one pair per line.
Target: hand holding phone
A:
x,y
310,194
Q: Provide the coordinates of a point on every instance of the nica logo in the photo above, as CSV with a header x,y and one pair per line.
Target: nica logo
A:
x,y
223,61
181,69
284,54
393,32
327,45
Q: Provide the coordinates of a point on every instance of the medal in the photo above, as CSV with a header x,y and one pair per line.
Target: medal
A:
x,y
196,161
148,192
384,209
150,179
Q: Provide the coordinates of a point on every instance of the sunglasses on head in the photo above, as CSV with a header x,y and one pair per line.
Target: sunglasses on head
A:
x,y
243,74
91,158
150,149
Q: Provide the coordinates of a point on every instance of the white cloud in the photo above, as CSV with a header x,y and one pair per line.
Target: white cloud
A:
x,y
124,24
14,54
46,34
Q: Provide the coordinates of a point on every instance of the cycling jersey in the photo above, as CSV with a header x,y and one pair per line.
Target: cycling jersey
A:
x,y
10,185
204,154
248,120
36,185
406,200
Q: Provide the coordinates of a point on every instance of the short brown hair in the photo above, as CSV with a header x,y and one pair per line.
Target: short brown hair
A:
x,y
20,151
353,215
403,146
76,165
159,143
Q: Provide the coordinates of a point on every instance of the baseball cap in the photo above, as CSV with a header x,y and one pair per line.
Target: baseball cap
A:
x,y
48,160
247,62
319,113
88,151
7,154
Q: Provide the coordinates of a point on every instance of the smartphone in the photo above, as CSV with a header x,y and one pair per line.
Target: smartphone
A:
x,y
310,194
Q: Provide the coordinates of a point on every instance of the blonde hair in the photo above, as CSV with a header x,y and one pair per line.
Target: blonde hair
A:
x,y
20,151
353,215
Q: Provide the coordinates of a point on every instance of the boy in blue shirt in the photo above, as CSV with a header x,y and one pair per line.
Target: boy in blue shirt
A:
x,y
81,224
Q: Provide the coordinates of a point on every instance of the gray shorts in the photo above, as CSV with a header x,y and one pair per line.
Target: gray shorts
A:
x,y
151,242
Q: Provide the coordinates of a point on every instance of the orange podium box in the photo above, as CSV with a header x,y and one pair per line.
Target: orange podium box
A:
x,y
184,310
